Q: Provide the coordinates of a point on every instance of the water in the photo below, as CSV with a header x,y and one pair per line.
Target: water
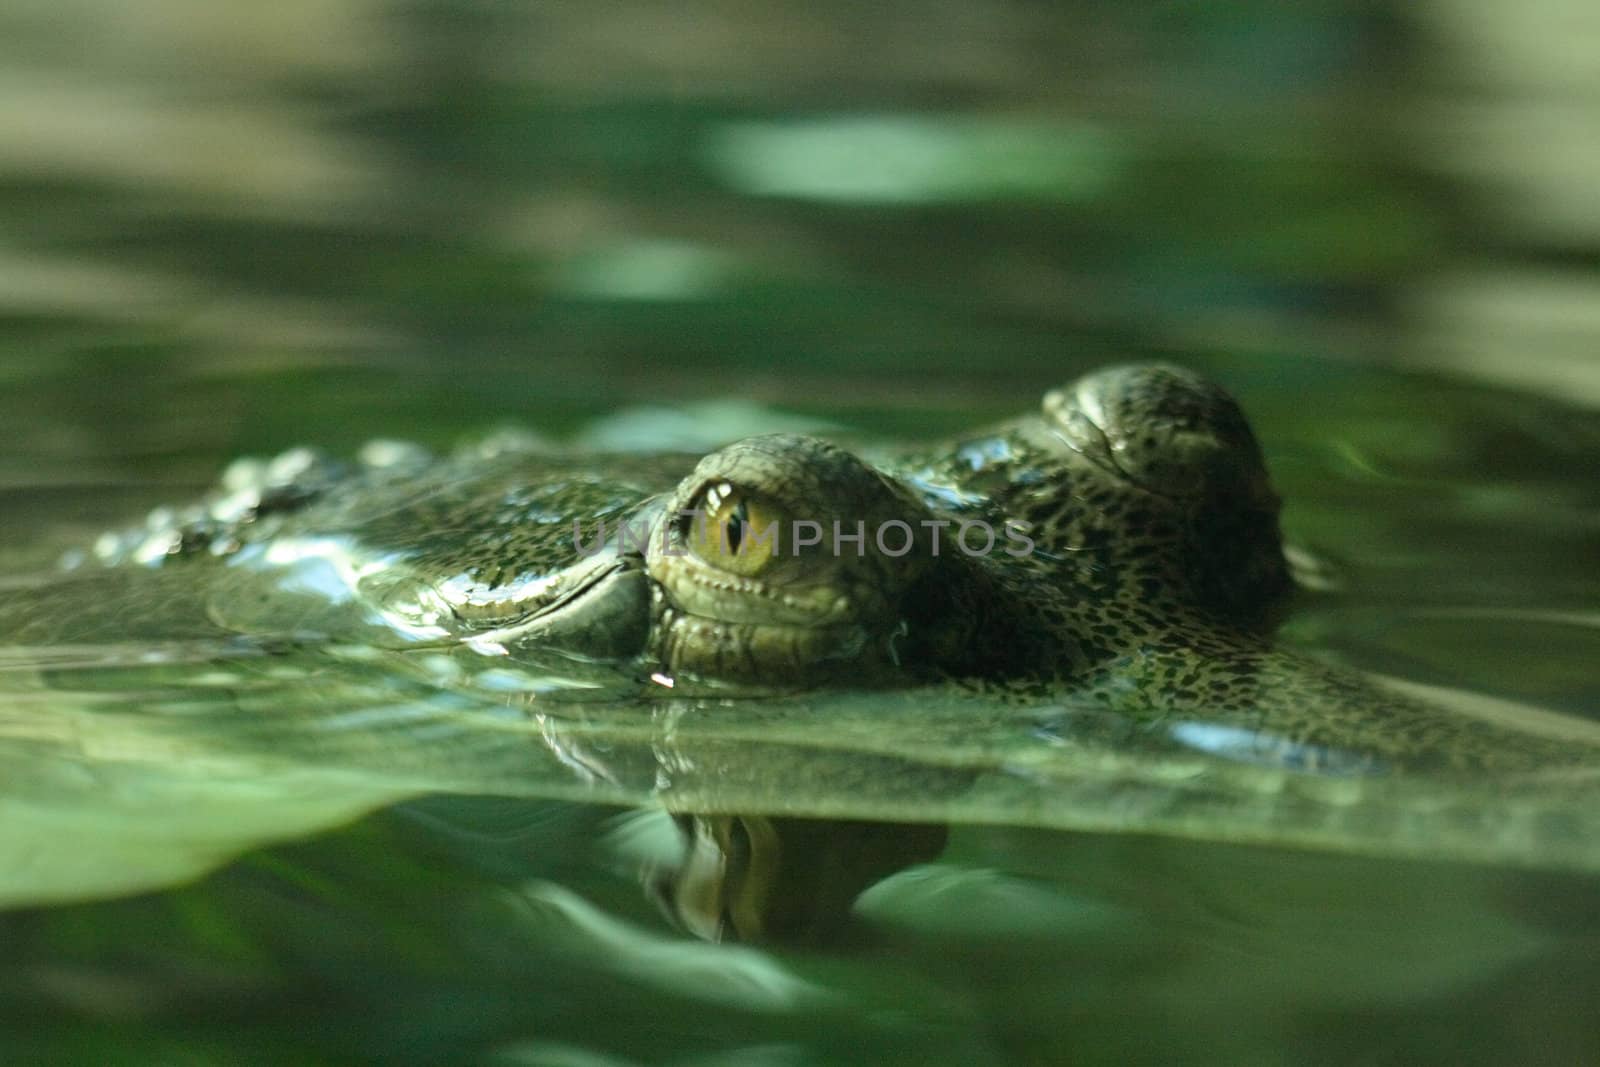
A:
x,y
324,223
493,921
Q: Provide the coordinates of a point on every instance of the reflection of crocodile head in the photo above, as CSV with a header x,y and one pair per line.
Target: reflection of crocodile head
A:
x,y
752,878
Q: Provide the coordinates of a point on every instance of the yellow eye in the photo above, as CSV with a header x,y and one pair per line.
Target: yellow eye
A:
x,y
734,531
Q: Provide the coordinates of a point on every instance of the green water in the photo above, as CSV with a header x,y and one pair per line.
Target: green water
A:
x,y
231,229
482,923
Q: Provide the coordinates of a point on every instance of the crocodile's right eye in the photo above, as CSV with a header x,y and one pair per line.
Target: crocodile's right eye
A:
x,y
735,531
737,596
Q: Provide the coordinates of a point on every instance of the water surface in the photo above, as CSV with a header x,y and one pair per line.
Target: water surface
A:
x,y
234,234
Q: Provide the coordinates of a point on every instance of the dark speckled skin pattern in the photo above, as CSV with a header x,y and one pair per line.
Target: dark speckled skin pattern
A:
x,y
1154,575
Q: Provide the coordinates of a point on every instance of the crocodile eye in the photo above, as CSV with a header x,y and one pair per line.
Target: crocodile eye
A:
x,y
734,531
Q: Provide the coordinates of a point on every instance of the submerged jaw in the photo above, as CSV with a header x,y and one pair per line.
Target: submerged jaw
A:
x,y
713,593
760,654
740,629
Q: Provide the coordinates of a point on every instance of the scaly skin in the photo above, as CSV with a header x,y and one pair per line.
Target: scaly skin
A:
x,y
1155,576
1153,582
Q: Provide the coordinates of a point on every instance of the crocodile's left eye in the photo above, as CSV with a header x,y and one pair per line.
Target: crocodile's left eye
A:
x,y
735,531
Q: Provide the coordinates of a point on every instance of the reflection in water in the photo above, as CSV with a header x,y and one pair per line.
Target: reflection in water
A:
x,y
766,878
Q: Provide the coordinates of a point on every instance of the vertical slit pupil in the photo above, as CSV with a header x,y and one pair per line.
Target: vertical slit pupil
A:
x,y
736,522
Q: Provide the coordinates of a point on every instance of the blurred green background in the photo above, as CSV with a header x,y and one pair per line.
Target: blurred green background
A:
x,y
225,224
